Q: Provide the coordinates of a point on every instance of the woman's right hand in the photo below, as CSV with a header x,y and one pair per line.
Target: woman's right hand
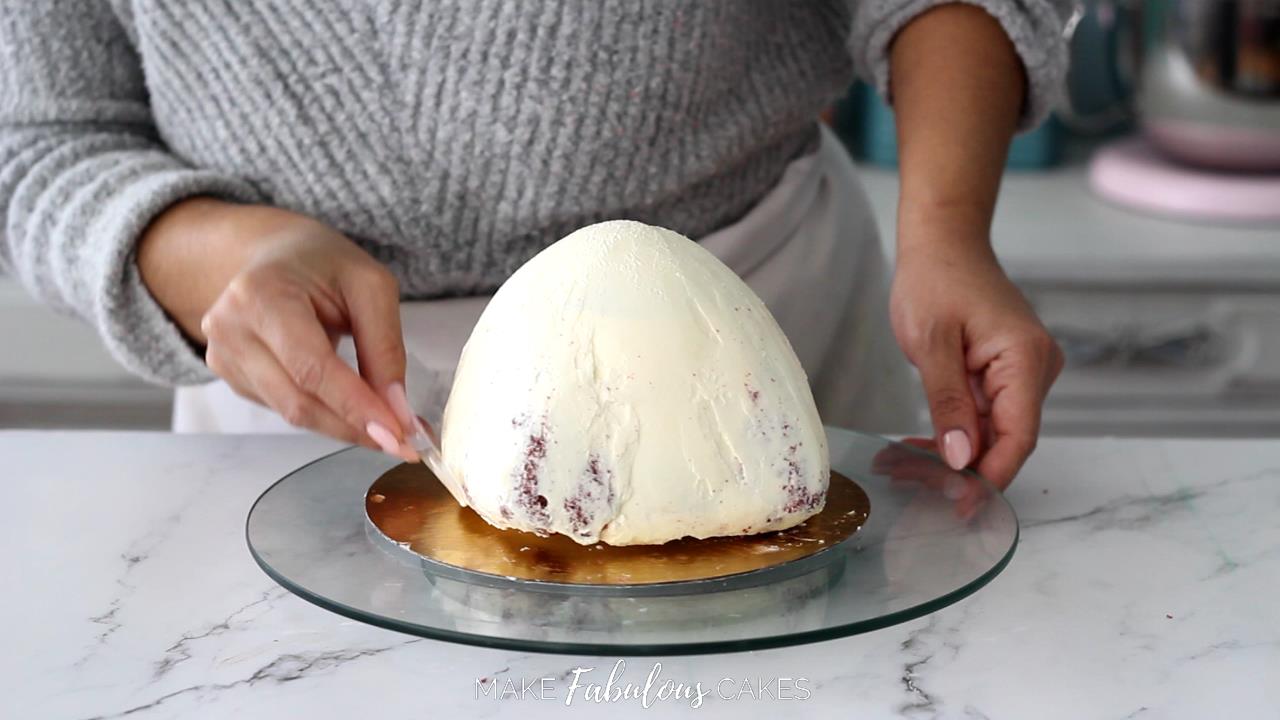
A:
x,y
269,292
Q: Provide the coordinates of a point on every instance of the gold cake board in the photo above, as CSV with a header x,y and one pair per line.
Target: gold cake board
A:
x,y
414,515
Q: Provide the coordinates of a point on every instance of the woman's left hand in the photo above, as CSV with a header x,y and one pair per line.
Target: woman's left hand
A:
x,y
985,359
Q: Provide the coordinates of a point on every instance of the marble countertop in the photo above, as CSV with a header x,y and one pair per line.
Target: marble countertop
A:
x,y
1145,585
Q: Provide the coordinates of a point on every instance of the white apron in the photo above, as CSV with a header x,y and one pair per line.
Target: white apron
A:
x,y
809,249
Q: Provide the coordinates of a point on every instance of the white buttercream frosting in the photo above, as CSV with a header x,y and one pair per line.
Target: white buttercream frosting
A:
x,y
624,385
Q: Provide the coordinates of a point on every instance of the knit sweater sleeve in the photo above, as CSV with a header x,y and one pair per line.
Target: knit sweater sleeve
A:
x,y
82,174
1034,26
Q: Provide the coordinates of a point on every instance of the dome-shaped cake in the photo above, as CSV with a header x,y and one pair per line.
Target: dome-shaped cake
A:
x,y
626,386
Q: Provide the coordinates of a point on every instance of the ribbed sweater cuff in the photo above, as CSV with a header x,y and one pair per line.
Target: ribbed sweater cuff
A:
x,y
135,328
1033,26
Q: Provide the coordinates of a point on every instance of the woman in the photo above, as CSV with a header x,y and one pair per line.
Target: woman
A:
x,y
225,188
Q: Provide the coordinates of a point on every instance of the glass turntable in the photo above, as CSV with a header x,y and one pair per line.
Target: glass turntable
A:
x,y
363,535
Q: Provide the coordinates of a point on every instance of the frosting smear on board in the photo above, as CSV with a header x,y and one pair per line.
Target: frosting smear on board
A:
x,y
626,386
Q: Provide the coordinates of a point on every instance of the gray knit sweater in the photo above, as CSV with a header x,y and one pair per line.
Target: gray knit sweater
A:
x,y
452,139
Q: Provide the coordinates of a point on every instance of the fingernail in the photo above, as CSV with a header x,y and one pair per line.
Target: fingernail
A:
x,y
399,402
956,449
383,437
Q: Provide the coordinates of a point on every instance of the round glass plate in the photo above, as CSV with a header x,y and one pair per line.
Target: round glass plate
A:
x,y
933,536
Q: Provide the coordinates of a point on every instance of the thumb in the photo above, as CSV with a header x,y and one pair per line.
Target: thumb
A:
x,y
951,405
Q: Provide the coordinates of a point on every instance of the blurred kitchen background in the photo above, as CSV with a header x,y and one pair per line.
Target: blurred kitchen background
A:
x,y
1142,221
